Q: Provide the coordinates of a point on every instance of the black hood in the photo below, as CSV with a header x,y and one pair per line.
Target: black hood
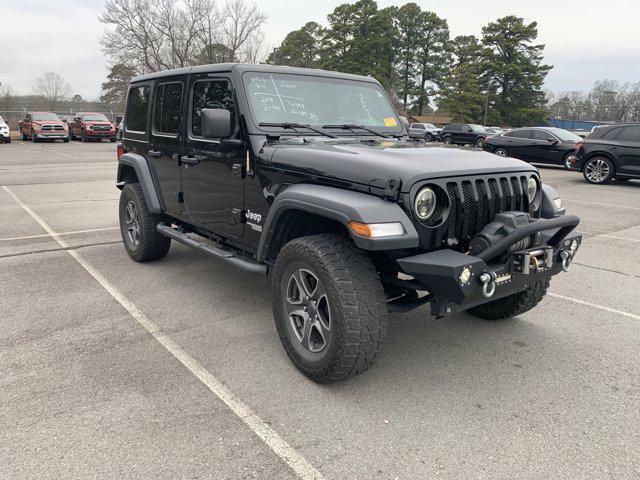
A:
x,y
373,163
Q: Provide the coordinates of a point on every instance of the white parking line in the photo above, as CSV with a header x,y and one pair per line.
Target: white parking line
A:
x,y
611,236
600,204
62,233
268,435
595,305
60,153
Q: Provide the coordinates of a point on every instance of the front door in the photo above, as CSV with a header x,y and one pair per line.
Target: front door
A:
x,y
167,133
542,150
212,173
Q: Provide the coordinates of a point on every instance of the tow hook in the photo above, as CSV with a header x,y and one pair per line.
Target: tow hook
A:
x,y
488,280
566,257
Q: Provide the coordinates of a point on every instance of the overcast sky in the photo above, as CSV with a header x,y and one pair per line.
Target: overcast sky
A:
x,y
586,40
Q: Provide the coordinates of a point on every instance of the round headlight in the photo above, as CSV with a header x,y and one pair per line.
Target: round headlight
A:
x,y
425,204
532,189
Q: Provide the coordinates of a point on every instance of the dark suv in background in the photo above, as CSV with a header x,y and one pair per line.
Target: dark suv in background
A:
x,y
536,144
608,153
464,134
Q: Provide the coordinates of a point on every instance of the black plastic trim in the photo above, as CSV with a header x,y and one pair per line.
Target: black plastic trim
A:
x,y
145,178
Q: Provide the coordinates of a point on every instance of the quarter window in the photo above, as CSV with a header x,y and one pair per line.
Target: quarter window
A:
x,y
137,109
168,108
211,94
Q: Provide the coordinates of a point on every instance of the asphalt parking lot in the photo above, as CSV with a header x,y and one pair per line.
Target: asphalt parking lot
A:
x,y
112,369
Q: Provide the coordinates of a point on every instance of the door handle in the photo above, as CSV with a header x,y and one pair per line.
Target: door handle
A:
x,y
614,148
154,153
189,160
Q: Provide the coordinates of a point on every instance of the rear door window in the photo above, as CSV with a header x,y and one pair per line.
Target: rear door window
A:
x,y
167,116
137,109
418,126
630,134
519,134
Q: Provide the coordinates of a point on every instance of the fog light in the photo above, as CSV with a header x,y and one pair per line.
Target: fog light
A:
x,y
574,246
465,276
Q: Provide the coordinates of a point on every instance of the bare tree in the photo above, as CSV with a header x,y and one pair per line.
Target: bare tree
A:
x,y
241,22
153,35
52,87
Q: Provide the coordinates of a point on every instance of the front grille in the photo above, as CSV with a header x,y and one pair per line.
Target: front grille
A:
x,y
49,128
475,203
101,128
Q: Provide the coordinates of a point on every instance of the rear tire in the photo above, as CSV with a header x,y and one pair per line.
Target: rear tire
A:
x,y
598,170
513,305
501,152
138,225
447,140
341,334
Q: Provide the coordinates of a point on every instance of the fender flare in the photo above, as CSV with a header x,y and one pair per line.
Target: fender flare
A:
x,y
549,209
343,206
145,179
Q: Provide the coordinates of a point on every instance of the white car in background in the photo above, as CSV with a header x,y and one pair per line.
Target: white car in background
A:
x,y
4,132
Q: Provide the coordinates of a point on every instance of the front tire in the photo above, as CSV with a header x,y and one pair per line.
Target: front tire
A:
x,y
329,307
598,170
138,225
513,305
24,137
428,137
479,143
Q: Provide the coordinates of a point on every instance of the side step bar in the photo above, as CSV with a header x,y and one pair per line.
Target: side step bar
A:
x,y
232,258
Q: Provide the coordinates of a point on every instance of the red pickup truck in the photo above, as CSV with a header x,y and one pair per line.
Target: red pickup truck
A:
x,y
91,126
43,126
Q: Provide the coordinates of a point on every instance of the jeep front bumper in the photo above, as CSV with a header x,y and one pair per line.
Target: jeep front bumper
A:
x,y
457,281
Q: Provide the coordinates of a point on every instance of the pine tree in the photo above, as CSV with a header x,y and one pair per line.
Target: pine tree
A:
x,y
514,62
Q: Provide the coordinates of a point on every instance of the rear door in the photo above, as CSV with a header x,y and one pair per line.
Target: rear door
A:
x,y
214,186
628,151
517,143
167,135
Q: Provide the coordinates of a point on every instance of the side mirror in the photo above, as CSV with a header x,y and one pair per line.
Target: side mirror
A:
x,y
216,123
469,129
552,140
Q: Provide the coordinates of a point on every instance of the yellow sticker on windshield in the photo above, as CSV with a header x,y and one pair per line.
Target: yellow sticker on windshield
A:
x,y
390,122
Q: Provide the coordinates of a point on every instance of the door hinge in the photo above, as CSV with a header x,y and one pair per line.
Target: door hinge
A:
x,y
392,190
237,215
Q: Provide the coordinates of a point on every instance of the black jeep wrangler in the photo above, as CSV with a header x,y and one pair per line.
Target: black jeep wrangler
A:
x,y
308,177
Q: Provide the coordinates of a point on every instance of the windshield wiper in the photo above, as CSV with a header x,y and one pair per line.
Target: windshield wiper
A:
x,y
293,126
348,126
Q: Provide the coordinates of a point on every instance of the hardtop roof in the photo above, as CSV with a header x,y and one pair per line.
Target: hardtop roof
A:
x,y
247,67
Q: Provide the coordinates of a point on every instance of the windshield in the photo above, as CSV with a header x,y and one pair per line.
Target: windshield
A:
x,y
477,128
95,117
45,117
565,135
287,98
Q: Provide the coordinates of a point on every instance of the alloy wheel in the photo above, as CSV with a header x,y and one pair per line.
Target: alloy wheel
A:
x,y
133,223
597,170
501,152
307,310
